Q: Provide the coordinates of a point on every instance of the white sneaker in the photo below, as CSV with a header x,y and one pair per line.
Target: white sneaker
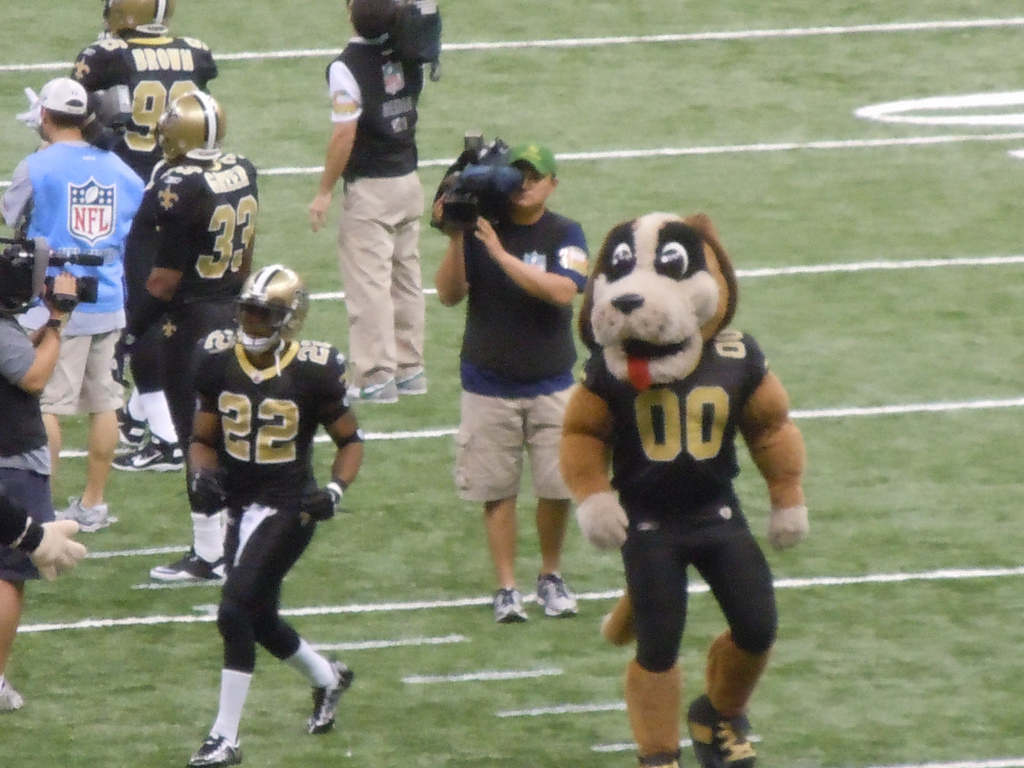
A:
x,y
89,519
10,699
384,394
412,385
508,606
554,596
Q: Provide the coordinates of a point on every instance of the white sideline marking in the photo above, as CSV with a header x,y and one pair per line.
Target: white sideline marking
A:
x,y
134,552
594,42
820,269
722,149
942,574
365,645
472,677
628,746
565,709
1011,762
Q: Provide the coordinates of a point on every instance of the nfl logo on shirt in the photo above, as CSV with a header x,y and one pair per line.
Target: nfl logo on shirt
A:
x,y
91,209
394,78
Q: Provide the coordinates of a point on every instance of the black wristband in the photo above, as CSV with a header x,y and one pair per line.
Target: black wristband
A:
x,y
55,322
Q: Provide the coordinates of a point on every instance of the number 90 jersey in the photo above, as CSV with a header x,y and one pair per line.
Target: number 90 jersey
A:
x,y
156,70
269,417
674,445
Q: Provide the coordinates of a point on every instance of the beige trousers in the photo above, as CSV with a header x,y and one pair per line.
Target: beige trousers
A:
x,y
378,252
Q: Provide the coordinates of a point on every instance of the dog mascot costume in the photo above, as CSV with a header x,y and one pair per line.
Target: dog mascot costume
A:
x,y
663,395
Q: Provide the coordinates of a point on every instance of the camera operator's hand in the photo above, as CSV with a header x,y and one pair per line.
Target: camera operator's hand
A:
x,y
485,234
437,220
62,297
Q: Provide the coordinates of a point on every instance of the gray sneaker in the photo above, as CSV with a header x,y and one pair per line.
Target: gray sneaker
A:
x,y
412,385
10,699
216,751
554,596
508,606
385,393
89,519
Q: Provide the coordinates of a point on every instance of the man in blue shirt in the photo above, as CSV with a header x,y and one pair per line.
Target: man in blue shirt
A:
x,y
82,201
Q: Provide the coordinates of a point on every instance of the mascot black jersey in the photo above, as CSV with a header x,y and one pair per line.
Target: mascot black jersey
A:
x,y
206,215
270,416
673,445
156,70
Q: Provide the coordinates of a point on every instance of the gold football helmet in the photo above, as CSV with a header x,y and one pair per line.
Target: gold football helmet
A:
x,y
192,126
120,15
281,291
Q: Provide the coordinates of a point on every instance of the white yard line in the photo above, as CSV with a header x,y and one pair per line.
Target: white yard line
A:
x,y
945,25
490,676
204,616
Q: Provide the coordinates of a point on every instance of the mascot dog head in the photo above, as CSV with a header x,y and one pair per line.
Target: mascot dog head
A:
x,y
661,286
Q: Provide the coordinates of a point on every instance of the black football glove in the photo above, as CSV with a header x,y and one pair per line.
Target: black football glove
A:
x,y
206,491
323,503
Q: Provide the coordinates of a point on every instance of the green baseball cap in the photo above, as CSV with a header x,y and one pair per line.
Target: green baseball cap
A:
x,y
536,156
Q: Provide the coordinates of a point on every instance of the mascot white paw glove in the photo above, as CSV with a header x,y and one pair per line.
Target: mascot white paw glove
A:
x,y
788,526
603,520
34,115
57,552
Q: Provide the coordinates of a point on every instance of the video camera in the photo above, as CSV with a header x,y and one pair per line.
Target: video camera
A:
x,y
479,183
23,265
416,34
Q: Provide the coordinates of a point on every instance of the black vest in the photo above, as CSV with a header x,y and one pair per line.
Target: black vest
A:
x,y
21,421
385,144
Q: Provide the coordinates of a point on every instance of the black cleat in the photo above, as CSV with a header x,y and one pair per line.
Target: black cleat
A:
x,y
718,742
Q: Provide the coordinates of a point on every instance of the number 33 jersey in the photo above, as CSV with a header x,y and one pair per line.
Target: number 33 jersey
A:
x,y
269,416
674,445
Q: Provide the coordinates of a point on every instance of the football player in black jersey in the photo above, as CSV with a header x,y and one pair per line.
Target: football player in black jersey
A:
x,y
132,73
152,68
204,205
262,394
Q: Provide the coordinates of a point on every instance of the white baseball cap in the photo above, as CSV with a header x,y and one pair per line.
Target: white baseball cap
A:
x,y
62,94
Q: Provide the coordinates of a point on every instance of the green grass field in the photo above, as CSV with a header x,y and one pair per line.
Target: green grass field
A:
x,y
900,630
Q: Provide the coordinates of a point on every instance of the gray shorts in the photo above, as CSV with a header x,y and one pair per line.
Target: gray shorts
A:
x,y
492,436
82,382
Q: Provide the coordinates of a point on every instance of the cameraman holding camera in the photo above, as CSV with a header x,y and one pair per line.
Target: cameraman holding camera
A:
x,y
372,148
26,364
520,273
81,199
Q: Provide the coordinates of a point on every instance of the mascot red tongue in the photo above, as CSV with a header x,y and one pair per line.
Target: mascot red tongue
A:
x,y
639,373
665,391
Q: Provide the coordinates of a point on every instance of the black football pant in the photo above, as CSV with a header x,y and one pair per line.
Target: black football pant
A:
x,y
189,326
730,562
249,604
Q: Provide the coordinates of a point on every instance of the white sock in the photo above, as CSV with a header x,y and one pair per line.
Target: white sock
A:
x,y
134,406
154,405
234,687
314,666
208,537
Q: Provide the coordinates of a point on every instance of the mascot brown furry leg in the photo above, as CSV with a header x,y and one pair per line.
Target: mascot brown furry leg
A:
x,y
664,393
